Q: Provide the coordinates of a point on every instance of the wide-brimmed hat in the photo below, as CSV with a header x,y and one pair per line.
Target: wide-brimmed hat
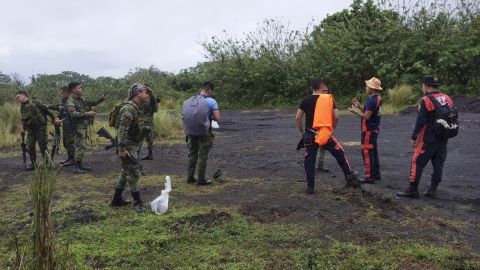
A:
x,y
374,83
430,80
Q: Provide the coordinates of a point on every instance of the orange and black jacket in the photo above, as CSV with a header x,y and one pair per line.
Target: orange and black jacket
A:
x,y
424,125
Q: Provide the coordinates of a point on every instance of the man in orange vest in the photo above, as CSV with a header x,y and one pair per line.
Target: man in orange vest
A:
x,y
370,116
427,146
308,107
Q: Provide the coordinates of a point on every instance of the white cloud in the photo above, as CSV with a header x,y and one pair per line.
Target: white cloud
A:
x,y
108,37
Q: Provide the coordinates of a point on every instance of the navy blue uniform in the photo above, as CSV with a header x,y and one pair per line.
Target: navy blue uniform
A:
x,y
429,147
370,130
308,105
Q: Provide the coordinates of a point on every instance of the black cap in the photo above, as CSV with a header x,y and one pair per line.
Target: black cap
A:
x,y
430,80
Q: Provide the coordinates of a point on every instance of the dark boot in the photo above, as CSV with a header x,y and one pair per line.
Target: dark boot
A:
x,y
118,199
149,156
204,182
78,168
410,192
321,168
353,180
70,161
432,191
191,180
310,190
32,165
137,202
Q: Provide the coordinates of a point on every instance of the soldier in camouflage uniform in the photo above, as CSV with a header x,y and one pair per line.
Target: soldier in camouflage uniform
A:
x,y
67,128
79,119
146,122
34,122
129,136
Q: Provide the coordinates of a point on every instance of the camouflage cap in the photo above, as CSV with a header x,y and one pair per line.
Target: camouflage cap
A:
x,y
135,89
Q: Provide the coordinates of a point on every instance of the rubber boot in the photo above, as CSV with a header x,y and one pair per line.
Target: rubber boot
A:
x,y
410,192
137,202
78,168
149,156
432,191
118,199
353,180
321,168
70,161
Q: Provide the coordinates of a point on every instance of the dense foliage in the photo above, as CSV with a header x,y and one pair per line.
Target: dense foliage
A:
x,y
272,65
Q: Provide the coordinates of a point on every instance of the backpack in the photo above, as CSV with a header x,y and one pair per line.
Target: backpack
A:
x,y
195,116
112,117
446,120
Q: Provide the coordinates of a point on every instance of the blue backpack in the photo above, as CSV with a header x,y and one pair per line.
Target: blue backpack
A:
x,y
195,116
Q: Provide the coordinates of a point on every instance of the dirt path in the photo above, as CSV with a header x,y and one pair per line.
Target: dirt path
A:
x,y
257,151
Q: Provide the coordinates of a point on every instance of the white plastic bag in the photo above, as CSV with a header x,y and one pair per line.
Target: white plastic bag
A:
x,y
215,124
160,204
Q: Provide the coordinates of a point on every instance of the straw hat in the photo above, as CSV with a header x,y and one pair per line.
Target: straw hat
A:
x,y
374,83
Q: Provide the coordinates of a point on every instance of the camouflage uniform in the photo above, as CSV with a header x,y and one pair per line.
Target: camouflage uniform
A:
x,y
77,106
129,137
67,127
34,122
146,123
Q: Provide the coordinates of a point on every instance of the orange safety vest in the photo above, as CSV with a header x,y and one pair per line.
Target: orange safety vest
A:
x,y
323,118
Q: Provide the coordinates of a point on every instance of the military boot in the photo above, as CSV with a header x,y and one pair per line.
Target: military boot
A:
x,y
410,192
321,168
78,168
118,199
432,191
149,156
137,202
70,161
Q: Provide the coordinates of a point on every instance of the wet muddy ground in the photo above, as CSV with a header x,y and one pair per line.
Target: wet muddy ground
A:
x,y
264,175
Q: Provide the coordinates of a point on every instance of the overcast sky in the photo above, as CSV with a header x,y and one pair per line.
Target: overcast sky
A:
x,y
110,37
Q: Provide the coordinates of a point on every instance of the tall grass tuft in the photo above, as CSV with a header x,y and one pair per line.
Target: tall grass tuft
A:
x,y
43,184
167,124
398,98
10,119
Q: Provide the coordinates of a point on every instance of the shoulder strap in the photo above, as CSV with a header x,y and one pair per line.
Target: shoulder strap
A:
x,y
434,101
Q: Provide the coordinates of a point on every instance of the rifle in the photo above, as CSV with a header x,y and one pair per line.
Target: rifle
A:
x,y
56,141
23,146
103,132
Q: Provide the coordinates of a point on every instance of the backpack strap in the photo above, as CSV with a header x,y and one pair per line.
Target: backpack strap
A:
x,y
434,101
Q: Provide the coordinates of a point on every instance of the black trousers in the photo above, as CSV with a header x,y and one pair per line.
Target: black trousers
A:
x,y
435,152
311,149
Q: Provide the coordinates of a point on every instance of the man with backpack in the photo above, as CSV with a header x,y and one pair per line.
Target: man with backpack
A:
x,y
197,114
436,122
34,122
